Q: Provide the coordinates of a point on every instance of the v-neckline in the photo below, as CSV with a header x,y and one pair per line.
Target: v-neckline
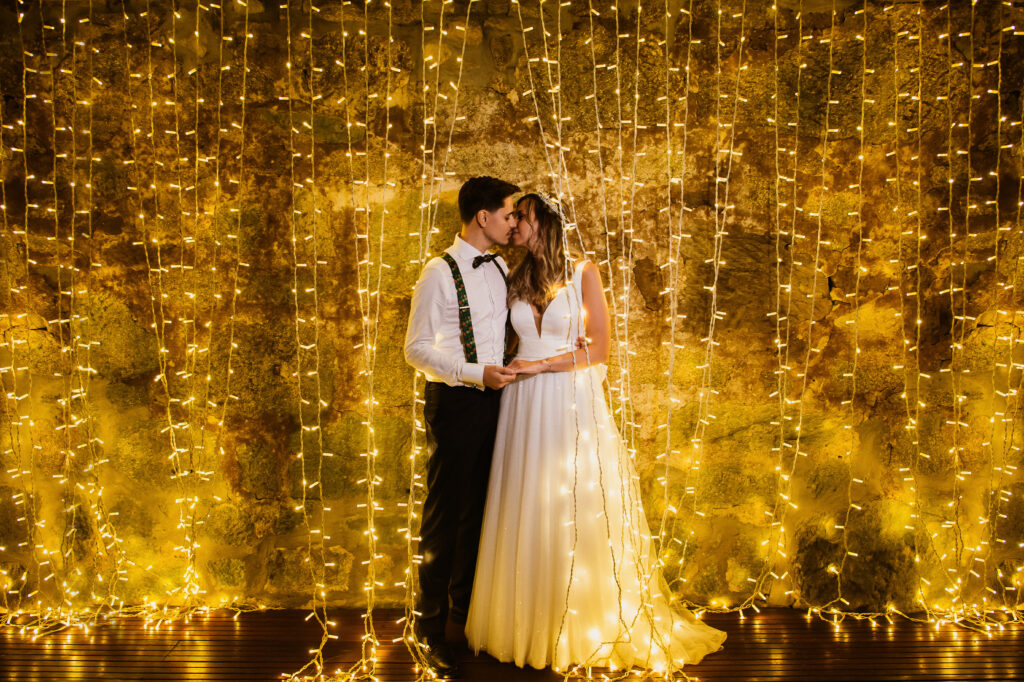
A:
x,y
538,323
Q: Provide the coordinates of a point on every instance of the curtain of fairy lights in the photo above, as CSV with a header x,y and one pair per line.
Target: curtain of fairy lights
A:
x,y
875,147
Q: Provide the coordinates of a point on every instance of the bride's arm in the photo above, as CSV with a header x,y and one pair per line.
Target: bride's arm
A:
x,y
598,330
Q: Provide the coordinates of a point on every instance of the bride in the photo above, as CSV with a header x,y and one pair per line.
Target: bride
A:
x,y
565,574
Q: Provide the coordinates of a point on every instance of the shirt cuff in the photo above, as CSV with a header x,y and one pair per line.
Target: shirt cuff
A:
x,y
473,373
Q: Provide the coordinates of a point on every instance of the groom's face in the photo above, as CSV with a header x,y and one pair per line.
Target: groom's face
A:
x,y
497,225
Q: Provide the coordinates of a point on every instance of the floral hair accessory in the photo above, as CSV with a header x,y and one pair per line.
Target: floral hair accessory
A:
x,y
552,205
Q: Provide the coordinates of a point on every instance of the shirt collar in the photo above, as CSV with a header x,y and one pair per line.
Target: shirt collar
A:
x,y
464,249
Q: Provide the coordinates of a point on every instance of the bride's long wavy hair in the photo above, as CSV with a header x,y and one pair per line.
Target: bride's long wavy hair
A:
x,y
537,278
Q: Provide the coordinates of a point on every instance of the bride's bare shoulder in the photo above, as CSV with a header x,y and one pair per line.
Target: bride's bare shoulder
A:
x,y
588,269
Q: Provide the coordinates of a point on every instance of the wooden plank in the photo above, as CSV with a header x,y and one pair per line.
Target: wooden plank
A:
x,y
777,644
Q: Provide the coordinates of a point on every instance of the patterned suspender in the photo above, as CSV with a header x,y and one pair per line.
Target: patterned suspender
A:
x,y
465,319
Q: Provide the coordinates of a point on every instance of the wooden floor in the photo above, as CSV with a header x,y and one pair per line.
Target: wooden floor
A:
x,y
777,644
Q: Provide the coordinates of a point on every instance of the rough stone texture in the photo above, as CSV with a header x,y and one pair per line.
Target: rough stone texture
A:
x,y
131,364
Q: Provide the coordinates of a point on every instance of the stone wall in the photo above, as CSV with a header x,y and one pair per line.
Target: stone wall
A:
x,y
222,236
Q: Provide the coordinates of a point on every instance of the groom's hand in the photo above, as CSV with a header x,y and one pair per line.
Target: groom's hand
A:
x,y
496,376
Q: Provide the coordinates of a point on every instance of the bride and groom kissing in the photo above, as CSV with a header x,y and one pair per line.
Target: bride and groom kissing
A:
x,y
533,536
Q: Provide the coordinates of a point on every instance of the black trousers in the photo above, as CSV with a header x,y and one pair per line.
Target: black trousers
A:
x,y
461,423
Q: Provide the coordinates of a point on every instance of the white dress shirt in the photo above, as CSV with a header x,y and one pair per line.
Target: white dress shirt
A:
x,y
432,341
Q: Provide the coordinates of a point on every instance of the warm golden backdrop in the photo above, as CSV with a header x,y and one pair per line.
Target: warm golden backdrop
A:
x,y
809,223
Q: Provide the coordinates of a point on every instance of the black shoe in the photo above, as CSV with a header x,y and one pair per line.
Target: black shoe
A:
x,y
438,656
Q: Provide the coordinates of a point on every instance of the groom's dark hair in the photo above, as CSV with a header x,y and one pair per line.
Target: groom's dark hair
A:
x,y
483,193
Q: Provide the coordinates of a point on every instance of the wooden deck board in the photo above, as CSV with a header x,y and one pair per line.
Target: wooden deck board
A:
x,y
777,645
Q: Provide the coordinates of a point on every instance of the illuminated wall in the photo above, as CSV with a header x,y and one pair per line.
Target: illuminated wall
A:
x,y
809,224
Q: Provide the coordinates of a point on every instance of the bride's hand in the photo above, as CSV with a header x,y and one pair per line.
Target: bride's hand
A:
x,y
527,366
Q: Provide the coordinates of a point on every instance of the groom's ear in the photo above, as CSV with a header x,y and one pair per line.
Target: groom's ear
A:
x,y
481,217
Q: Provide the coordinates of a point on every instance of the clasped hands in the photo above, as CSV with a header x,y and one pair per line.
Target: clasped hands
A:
x,y
497,376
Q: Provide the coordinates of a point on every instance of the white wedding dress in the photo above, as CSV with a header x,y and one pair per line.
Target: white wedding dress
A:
x,y
565,574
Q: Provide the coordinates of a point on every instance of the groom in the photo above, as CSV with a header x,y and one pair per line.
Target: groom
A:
x,y
456,337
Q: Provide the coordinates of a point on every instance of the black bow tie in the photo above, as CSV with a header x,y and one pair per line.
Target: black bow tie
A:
x,y
480,260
